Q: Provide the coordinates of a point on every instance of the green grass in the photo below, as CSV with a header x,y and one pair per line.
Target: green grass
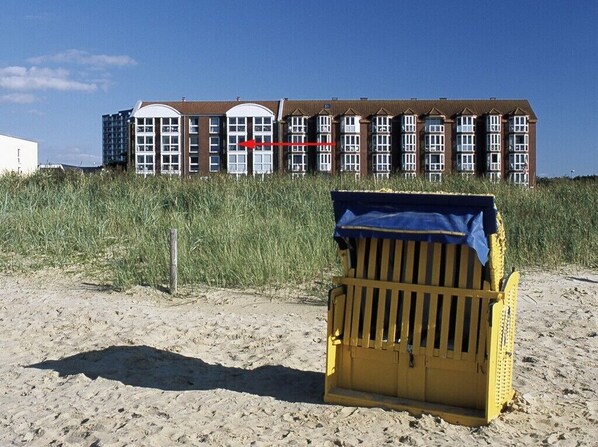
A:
x,y
271,233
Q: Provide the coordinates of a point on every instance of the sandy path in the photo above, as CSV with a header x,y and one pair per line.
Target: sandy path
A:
x,y
80,365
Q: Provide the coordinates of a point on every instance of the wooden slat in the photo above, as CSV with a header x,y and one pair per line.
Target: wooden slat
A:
x,y
475,309
409,268
435,281
380,322
419,298
463,276
446,302
361,249
369,293
394,296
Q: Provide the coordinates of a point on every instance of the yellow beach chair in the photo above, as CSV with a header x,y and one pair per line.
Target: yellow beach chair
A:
x,y
423,318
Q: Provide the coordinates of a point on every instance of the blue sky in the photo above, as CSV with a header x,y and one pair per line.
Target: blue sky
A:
x,y
65,63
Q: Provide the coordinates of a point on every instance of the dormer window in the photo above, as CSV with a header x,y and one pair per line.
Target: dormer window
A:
x,y
435,125
466,124
493,123
381,124
350,124
298,124
518,123
408,123
324,123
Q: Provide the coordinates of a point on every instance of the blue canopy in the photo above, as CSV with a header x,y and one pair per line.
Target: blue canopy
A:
x,y
444,218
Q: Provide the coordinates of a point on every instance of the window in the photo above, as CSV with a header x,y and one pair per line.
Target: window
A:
x,y
434,125
381,124
408,142
297,138
350,124
409,174
434,142
434,177
493,142
233,142
170,163
518,123
214,163
170,143
214,145
324,123
518,162
237,163
194,163
262,162
145,143
350,143
324,138
170,125
263,139
214,124
408,123
465,162
381,163
519,178
408,162
381,143
518,142
466,124
493,161
350,162
324,162
145,125
193,124
144,164
194,143
434,162
298,124
465,143
493,123
262,124
236,124
493,176
298,162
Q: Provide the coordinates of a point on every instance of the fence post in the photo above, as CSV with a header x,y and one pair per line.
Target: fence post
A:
x,y
173,261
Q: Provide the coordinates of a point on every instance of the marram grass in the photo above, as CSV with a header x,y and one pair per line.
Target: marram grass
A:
x,y
263,233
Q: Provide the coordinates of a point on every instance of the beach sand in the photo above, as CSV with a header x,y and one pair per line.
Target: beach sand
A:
x,y
83,365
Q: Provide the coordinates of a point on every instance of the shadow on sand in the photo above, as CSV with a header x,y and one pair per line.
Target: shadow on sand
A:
x,y
148,367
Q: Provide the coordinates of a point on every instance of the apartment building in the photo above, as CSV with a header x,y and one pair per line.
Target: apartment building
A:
x,y
17,155
429,138
115,137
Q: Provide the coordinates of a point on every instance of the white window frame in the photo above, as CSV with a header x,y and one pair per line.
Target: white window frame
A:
x,y
237,124
170,143
494,176
262,162
144,164
193,124
237,162
409,142
145,125
434,142
324,124
144,143
233,142
193,163
434,162
465,142
262,124
434,177
518,161
350,142
297,138
515,145
466,124
493,142
170,125
493,123
409,161
214,125
409,123
350,124
297,162
493,161
170,163
214,163
214,147
381,142
434,125
324,162
298,124
350,162
518,123
466,162
519,178
381,162
193,143
324,138
381,124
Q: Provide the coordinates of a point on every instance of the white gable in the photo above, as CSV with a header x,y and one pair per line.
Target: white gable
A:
x,y
156,111
249,109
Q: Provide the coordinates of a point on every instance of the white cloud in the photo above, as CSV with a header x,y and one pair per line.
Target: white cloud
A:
x,y
84,58
36,78
18,98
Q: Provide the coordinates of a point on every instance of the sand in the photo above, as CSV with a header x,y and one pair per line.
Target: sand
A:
x,y
81,364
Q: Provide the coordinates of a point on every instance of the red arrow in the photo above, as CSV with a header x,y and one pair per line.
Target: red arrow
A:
x,y
252,144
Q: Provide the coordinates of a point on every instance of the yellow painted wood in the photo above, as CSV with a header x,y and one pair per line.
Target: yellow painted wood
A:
x,y
380,321
369,293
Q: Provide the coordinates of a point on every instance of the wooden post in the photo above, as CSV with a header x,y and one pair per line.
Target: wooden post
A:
x,y
173,261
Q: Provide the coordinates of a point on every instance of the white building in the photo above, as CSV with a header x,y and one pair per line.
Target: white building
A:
x,y
17,155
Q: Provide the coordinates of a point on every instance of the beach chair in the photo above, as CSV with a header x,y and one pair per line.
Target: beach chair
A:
x,y
423,317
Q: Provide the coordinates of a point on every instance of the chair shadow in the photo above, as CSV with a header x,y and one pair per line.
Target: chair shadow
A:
x,y
582,279
148,367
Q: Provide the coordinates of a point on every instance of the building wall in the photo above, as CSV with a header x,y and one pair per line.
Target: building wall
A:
x,y
17,155
447,111
115,137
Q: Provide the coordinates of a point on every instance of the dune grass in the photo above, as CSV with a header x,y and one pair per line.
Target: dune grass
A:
x,y
251,232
